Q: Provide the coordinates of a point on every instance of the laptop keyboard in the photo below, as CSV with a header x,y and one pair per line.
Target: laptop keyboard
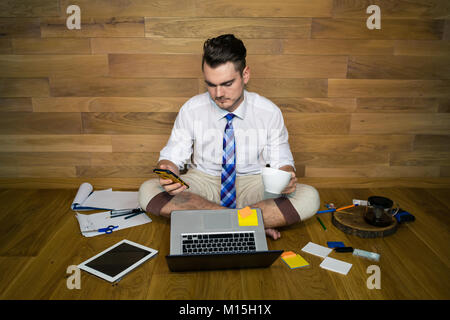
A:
x,y
203,243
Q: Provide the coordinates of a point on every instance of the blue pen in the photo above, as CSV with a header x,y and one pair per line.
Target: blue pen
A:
x,y
323,211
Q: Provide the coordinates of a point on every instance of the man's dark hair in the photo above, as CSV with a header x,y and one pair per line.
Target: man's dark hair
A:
x,y
222,49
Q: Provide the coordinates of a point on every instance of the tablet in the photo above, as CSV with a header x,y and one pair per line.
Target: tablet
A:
x,y
116,261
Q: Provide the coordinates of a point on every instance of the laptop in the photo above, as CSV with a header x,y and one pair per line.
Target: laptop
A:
x,y
218,239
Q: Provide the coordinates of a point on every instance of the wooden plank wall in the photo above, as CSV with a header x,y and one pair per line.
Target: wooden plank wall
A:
x,y
97,104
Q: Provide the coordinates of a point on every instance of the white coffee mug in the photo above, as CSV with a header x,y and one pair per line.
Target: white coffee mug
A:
x,y
275,180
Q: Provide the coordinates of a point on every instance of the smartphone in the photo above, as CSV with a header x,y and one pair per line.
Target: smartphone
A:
x,y
167,174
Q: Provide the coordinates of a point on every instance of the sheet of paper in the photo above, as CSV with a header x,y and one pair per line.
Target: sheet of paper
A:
x,y
336,265
246,218
294,260
316,250
100,220
113,199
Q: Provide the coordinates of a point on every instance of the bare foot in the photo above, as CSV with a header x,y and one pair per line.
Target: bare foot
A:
x,y
273,233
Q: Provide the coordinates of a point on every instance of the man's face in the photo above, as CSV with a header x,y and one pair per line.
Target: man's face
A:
x,y
226,85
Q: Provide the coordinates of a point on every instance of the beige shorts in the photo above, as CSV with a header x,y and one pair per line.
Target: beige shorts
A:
x,y
249,190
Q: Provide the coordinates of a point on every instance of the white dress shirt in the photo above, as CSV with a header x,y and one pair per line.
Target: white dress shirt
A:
x,y
260,135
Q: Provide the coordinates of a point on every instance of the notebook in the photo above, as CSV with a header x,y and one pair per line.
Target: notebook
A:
x,y
218,239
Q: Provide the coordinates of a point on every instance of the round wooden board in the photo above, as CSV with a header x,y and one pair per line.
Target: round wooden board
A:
x,y
353,223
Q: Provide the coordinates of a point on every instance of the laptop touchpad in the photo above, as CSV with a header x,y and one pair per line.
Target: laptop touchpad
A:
x,y
217,221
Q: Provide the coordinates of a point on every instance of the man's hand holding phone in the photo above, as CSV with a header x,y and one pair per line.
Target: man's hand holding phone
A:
x,y
171,183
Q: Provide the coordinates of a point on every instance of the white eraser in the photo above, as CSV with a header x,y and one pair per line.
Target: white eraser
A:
x,y
336,265
316,250
357,202
366,254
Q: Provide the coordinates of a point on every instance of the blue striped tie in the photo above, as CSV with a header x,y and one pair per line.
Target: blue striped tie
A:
x,y
228,178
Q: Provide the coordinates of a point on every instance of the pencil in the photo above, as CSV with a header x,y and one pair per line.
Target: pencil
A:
x,y
321,223
133,215
347,207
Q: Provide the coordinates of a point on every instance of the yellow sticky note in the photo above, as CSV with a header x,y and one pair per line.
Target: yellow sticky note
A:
x,y
296,261
248,217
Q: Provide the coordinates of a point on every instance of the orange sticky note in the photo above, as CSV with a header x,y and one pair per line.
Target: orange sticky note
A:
x,y
247,217
288,253
245,212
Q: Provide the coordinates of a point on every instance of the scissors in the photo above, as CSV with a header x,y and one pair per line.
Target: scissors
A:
x,y
107,230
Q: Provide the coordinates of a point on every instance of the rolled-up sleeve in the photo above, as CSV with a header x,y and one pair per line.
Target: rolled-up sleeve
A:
x,y
278,152
179,147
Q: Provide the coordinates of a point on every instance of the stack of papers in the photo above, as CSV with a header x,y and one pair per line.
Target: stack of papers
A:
x,y
294,260
89,222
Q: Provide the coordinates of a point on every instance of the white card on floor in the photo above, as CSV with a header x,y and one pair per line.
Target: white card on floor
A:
x,y
317,250
336,265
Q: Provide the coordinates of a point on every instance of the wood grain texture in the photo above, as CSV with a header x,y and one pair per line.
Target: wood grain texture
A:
x,y
175,45
339,47
24,87
313,88
43,123
351,97
351,143
37,66
20,27
203,8
121,26
388,88
50,46
298,66
314,123
399,9
128,123
5,46
436,123
392,29
398,67
139,143
55,143
27,248
409,105
374,171
122,87
339,159
422,48
318,182
156,66
104,104
425,142
315,105
16,104
29,8
265,28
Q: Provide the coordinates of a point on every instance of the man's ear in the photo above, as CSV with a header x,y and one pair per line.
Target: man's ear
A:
x,y
246,74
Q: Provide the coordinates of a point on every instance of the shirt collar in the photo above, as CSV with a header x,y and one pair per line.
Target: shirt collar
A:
x,y
239,112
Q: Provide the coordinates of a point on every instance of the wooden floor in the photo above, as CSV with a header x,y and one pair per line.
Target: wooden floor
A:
x,y
40,238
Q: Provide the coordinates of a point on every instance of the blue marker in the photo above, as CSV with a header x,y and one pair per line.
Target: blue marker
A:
x,y
323,211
